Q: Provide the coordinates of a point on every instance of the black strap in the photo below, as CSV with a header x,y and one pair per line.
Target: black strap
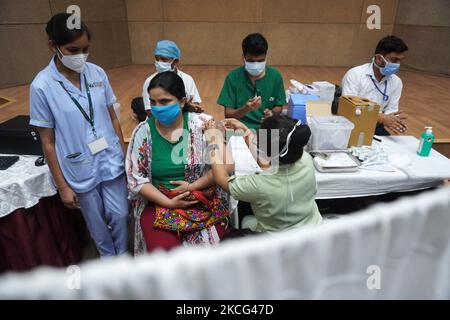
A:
x,y
89,118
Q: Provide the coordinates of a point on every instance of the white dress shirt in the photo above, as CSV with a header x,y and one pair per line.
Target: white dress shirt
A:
x,y
361,81
189,84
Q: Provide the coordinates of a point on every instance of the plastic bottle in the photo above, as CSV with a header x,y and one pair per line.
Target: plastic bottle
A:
x,y
426,142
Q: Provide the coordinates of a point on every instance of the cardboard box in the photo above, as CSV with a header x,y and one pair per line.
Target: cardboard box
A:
x,y
364,115
318,108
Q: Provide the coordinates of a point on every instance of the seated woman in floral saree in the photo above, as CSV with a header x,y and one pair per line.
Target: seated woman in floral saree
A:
x,y
173,195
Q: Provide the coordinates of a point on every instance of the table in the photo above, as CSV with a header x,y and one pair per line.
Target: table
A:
x,y
35,227
417,173
23,184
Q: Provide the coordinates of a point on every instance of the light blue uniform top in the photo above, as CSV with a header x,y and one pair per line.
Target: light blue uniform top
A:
x,y
52,107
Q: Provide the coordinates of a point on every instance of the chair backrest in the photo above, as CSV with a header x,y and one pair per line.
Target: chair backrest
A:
x,y
137,105
335,103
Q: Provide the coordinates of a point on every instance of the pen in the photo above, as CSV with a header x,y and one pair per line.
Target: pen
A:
x,y
376,139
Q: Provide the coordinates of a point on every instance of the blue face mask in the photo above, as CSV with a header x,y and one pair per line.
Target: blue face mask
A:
x,y
166,115
389,68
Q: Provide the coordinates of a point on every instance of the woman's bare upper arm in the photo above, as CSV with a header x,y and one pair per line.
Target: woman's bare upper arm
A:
x,y
47,135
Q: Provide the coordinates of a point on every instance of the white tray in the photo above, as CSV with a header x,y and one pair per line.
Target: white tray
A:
x,y
352,166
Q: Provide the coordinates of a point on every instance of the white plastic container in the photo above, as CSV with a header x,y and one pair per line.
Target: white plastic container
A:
x,y
330,133
326,90
312,90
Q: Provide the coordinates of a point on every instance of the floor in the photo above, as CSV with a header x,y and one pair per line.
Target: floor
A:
x,y
426,97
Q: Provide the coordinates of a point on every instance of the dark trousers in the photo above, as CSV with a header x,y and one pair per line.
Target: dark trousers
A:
x,y
381,131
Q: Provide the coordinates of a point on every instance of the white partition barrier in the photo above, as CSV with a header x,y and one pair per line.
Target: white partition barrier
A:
x,y
390,251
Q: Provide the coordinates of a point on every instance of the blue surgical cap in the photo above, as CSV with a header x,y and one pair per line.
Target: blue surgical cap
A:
x,y
167,48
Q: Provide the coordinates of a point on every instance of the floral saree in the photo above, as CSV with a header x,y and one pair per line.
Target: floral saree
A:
x,y
138,170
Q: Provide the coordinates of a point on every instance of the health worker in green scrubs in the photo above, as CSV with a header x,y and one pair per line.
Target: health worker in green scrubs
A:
x,y
254,91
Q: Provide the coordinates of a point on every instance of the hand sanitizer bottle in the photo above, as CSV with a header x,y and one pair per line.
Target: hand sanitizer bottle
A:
x,y
426,141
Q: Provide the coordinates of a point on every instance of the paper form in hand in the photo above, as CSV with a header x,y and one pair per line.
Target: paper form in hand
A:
x,y
244,162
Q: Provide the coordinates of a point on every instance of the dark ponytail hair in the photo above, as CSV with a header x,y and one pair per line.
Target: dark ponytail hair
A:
x,y
299,137
172,83
58,32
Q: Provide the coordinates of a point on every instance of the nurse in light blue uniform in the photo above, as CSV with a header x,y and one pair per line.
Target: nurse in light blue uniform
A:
x,y
71,102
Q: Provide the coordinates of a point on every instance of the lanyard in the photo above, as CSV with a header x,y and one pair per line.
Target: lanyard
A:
x,y
89,118
385,96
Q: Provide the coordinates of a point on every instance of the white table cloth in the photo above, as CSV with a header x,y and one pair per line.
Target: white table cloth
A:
x,y
417,173
23,184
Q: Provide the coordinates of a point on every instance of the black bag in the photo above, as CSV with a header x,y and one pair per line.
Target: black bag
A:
x,y
137,105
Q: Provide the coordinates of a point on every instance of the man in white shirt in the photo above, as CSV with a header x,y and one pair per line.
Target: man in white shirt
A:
x,y
167,57
377,81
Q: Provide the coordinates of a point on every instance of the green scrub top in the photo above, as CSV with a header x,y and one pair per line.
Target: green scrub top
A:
x,y
238,89
166,168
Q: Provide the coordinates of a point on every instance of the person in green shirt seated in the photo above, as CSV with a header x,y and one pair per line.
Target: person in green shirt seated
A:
x,y
282,196
255,90
165,168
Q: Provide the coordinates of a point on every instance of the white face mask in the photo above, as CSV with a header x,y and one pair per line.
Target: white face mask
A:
x,y
163,66
75,62
255,68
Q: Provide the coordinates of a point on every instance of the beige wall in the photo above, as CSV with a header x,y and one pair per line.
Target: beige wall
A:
x,y
300,32
23,40
210,32
425,27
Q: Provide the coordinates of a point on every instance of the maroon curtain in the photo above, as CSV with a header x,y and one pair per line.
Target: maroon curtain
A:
x,y
46,234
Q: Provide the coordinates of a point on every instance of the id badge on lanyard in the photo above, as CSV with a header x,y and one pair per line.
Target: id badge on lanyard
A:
x,y
383,93
99,144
